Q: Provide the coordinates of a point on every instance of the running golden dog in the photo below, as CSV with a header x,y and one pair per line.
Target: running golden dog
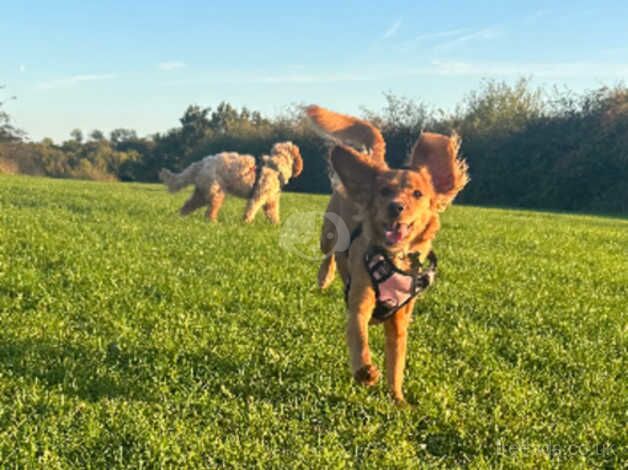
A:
x,y
393,216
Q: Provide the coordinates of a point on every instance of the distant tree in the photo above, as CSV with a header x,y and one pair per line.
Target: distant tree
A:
x,y
194,123
77,135
499,108
97,135
224,117
8,133
401,121
400,111
119,136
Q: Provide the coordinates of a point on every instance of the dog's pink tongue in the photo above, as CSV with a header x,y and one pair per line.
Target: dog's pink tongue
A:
x,y
396,233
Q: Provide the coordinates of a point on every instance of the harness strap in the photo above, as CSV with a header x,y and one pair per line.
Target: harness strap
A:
x,y
258,173
354,235
259,166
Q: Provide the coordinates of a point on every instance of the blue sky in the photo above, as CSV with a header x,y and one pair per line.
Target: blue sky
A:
x,y
139,64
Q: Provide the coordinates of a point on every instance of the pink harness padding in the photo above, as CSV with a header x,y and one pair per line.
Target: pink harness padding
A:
x,y
396,289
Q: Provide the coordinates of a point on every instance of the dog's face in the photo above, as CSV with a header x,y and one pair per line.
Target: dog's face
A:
x,y
400,207
400,204
288,148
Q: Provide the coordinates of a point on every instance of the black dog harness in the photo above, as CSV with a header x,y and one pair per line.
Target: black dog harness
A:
x,y
394,287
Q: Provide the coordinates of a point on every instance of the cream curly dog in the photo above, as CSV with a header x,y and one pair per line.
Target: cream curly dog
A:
x,y
236,174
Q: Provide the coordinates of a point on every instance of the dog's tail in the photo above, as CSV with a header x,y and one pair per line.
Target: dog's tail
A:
x,y
177,181
348,130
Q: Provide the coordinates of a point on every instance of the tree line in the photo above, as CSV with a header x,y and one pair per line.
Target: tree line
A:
x,y
526,146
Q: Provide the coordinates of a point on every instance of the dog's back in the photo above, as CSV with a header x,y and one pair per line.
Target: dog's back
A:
x,y
235,171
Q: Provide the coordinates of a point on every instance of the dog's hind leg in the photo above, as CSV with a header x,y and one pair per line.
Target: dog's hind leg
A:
x,y
328,241
196,200
271,209
216,198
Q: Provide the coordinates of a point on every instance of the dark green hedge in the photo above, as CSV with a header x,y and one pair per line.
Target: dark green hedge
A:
x,y
525,147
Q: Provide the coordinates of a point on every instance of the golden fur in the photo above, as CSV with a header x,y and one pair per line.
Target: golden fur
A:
x,y
233,173
365,191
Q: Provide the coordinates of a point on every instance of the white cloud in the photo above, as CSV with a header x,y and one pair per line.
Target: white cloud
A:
x,y
440,34
22,68
75,80
171,65
386,72
450,38
535,69
459,68
313,78
392,30
482,34
423,38
269,78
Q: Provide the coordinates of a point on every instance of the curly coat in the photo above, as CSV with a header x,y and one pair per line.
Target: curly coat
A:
x,y
237,174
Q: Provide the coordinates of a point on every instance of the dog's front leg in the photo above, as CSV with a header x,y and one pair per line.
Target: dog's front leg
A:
x,y
360,309
396,331
254,204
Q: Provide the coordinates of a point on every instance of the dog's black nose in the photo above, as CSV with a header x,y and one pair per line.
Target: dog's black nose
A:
x,y
395,208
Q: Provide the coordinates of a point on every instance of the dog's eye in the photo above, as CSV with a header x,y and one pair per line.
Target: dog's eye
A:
x,y
417,194
386,192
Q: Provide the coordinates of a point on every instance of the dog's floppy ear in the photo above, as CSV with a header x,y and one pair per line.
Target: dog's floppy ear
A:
x,y
438,154
356,171
348,130
297,162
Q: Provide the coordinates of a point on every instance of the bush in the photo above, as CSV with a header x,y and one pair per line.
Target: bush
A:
x,y
567,154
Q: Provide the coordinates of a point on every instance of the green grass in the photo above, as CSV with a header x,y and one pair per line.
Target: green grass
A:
x,y
134,337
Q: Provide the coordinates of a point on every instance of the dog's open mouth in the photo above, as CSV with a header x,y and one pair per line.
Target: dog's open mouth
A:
x,y
397,232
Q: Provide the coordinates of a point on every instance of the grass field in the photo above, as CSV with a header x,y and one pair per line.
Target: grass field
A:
x,y
132,337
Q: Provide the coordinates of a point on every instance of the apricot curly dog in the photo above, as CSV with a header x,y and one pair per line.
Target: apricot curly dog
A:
x,y
237,174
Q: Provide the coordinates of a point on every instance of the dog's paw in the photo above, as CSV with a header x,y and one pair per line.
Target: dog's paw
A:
x,y
399,400
367,375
